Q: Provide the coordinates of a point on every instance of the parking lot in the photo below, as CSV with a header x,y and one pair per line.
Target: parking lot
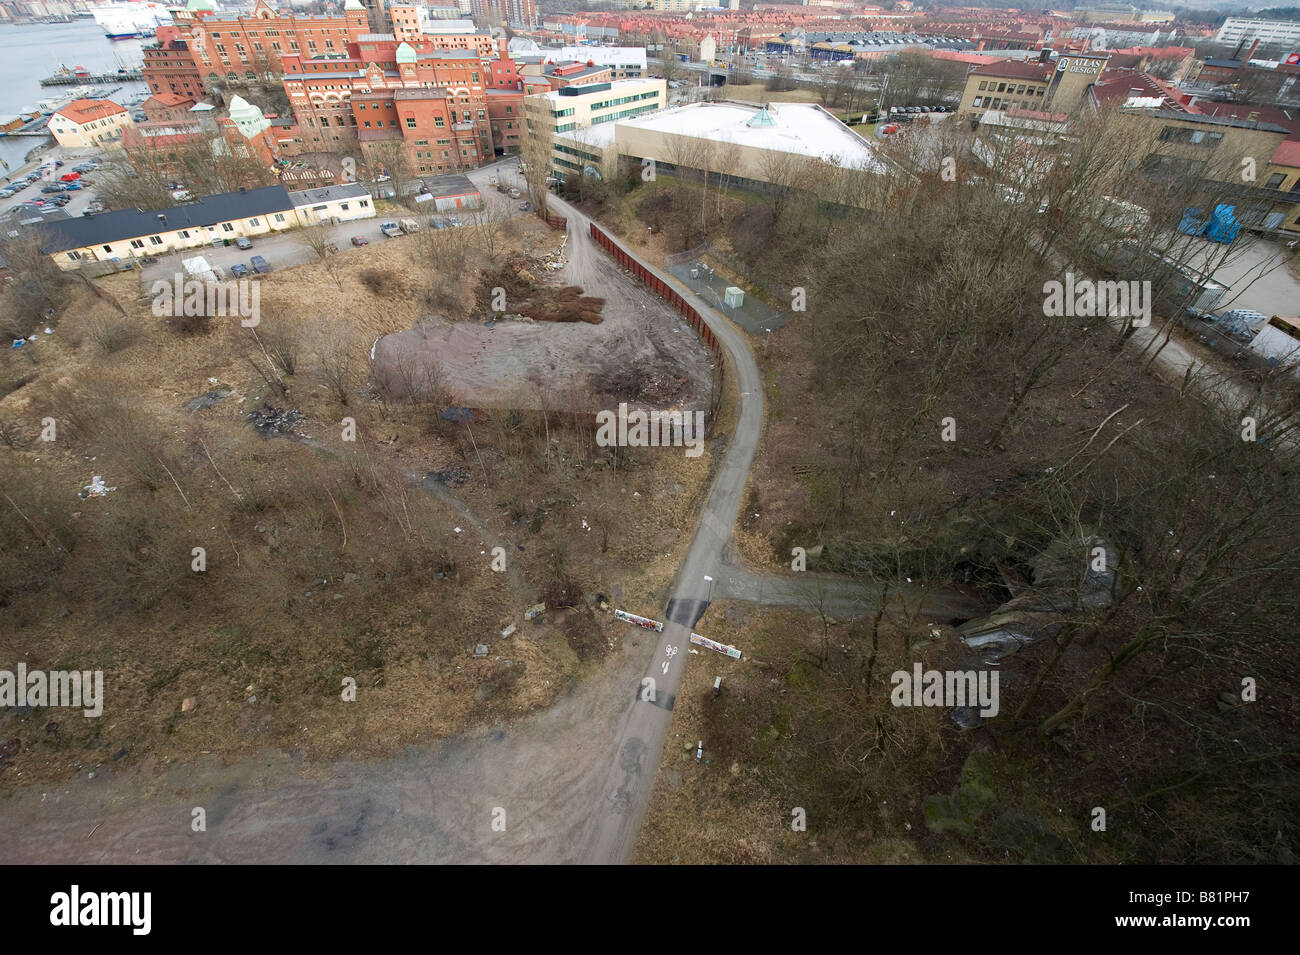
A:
x,y
80,199
288,249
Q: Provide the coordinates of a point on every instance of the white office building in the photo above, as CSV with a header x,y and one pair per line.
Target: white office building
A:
x,y
1237,29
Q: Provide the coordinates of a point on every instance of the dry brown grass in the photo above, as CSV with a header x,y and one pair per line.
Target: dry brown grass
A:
x,y
322,555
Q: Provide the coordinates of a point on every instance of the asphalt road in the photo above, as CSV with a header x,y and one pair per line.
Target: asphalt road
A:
x,y
614,822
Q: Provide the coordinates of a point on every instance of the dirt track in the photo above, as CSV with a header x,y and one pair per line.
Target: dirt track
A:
x,y
432,805
642,351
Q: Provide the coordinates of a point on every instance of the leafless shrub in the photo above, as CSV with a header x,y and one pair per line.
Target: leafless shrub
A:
x,y
382,282
111,334
338,366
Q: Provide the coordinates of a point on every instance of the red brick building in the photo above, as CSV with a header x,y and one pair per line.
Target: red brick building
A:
x,y
453,109
169,65
253,46
169,108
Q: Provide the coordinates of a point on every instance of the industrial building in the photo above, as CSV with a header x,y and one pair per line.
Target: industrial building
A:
x,y
754,146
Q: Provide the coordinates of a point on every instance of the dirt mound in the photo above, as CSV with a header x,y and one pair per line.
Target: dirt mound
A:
x,y
524,295
635,383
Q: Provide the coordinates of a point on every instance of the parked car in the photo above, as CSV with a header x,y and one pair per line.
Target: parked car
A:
x,y
73,187
360,240
53,187
70,177
6,193
390,230
58,162
260,265
96,206
239,270
514,193
243,243
60,200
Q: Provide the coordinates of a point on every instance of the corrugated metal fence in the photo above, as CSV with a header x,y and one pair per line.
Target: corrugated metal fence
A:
x,y
663,290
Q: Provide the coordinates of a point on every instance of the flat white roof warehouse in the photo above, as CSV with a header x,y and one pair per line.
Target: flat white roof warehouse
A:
x,y
803,129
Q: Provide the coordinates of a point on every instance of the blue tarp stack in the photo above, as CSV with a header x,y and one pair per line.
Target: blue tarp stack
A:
x,y
1221,226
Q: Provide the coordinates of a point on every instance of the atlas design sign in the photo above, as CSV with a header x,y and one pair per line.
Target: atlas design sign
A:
x,y
1066,64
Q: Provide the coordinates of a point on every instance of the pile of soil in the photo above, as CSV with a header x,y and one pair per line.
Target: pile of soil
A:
x,y
526,296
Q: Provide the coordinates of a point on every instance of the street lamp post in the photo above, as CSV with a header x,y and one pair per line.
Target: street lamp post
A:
x,y
710,580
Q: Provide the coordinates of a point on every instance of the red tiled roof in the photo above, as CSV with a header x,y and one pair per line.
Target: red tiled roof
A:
x,y
1116,86
82,111
1287,154
1288,119
169,99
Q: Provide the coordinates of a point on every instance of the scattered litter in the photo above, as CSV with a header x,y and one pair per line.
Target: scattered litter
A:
x,y
187,704
480,650
48,330
693,650
507,632
208,399
19,342
456,529
95,488
372,349
268,419
535,611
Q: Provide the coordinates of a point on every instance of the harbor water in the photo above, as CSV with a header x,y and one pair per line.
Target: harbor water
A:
x,y
33,51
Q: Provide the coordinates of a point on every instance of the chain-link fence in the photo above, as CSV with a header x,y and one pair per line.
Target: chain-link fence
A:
x,y
750,313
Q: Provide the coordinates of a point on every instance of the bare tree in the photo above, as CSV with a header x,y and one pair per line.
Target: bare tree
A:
x,y
338,364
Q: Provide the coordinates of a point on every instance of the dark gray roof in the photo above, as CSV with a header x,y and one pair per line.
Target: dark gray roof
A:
x,y
133,223
452,185
345,190
1205,120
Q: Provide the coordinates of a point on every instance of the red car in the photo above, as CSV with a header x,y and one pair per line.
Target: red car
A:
x,y
70,177
360,240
